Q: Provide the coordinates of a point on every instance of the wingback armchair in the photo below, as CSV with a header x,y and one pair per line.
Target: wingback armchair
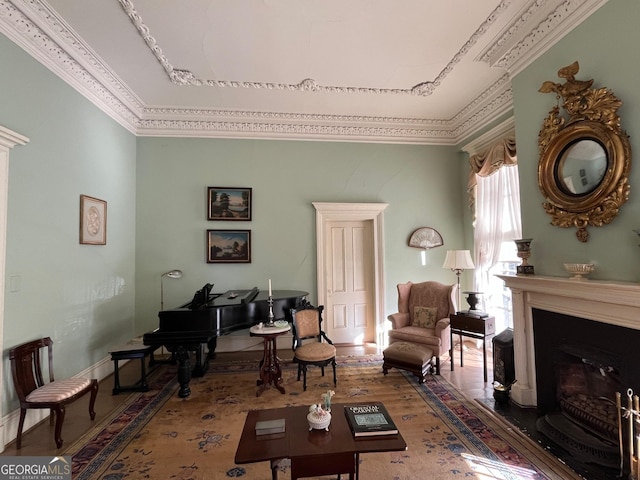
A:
x,y
423,316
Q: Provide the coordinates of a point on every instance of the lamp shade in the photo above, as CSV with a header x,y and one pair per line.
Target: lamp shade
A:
x,y
170,274
458,260
173,274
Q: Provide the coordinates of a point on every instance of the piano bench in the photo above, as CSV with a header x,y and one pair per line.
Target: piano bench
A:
x,y
131,350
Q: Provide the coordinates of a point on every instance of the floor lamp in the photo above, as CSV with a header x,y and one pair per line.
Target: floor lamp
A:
x,y
170,274
458,261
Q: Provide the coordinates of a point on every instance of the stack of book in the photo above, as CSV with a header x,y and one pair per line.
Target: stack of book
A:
x,y
269,427
369,419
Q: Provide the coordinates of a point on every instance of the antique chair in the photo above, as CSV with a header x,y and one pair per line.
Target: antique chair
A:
x,y
423,316
33,392
311,346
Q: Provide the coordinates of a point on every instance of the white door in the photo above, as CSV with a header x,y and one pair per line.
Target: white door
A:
x,y
349,304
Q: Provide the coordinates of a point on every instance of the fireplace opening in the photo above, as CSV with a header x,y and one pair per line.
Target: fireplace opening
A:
x,y
585,421
580,365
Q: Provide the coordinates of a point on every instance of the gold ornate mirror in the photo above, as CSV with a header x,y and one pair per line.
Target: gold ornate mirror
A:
x,y
585,155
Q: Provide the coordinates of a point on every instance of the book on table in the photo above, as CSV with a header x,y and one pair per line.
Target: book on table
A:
x,y
369,419
269,427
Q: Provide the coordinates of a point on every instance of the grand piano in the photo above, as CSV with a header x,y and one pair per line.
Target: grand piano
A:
x,y
198,323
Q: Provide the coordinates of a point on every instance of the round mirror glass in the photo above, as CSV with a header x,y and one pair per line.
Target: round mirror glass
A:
x,y
581,167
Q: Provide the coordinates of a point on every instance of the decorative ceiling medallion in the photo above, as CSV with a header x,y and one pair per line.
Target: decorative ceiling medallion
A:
x,y
183,77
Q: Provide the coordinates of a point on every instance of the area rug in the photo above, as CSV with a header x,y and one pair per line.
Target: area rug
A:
x,y
159,435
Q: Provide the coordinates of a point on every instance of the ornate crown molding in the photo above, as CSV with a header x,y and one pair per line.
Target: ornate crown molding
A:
x,y
535,31
493,102
301,131
478,145
37,29
52,48
57,48
183,77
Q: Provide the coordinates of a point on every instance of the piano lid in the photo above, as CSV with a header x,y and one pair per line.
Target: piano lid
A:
x,y
229,311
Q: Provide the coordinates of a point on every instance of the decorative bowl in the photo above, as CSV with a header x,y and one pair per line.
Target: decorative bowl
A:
x,y
319,422
579,270
280,323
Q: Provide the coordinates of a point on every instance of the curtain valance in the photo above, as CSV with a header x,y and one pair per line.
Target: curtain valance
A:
x,y
502,153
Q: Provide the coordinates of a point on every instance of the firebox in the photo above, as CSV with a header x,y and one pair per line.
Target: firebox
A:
x,y
580,365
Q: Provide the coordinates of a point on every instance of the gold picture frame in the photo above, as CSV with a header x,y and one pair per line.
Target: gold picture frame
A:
x,y
93,221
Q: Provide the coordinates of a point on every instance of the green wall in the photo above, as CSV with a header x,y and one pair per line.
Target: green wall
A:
x,y
82,296
606,46
286,177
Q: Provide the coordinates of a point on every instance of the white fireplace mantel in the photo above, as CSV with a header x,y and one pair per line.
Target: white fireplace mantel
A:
x,y
615,303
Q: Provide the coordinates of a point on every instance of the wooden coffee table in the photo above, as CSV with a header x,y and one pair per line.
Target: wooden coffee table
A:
x,y
312,453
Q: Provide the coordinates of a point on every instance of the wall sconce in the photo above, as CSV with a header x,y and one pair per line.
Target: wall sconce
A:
x,y
171,274
458,261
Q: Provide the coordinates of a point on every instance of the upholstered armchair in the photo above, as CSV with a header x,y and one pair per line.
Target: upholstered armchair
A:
x,y
423,316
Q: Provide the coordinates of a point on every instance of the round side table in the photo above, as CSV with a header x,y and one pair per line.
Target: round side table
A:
x,y
270,371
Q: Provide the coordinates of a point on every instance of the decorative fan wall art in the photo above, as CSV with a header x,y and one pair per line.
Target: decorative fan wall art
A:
x,y
426,238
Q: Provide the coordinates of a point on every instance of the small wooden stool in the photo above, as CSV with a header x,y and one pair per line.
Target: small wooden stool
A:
x,y
131,350
413,357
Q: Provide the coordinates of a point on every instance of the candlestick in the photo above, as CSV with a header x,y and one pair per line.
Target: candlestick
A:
x,y
271,316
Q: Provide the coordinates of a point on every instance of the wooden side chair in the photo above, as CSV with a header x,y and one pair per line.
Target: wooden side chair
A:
x,y
311,346
33,392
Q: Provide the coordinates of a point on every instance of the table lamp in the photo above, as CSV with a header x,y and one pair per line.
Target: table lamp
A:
x,y
458,261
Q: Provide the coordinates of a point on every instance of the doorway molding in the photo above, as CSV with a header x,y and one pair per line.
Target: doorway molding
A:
x,y
8,140
336,212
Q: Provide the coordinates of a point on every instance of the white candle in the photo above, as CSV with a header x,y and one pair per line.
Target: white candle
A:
x,y
270,294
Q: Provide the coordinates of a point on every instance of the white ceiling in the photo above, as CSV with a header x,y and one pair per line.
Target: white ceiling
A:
x,y
400,71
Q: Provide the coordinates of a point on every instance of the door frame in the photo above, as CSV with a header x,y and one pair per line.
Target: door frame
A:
x,y
8,140
336,212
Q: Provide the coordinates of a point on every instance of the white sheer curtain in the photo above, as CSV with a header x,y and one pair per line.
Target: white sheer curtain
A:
x,y
495,193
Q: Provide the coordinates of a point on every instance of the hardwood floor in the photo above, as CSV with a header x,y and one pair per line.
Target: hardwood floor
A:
x,y
39,440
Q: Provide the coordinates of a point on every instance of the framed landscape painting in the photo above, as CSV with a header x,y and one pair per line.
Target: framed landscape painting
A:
x,y
228,203
228,246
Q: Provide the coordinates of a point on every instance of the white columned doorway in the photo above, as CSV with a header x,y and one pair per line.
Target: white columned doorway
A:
x,y
8,140
350,248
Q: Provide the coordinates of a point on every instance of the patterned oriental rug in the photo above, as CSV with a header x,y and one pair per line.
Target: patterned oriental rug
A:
x,y
159,435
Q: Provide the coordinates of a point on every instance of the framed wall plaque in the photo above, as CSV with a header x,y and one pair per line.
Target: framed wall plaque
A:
x,y
93,221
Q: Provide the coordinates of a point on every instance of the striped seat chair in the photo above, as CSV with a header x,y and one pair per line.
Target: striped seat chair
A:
x,y
33,392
